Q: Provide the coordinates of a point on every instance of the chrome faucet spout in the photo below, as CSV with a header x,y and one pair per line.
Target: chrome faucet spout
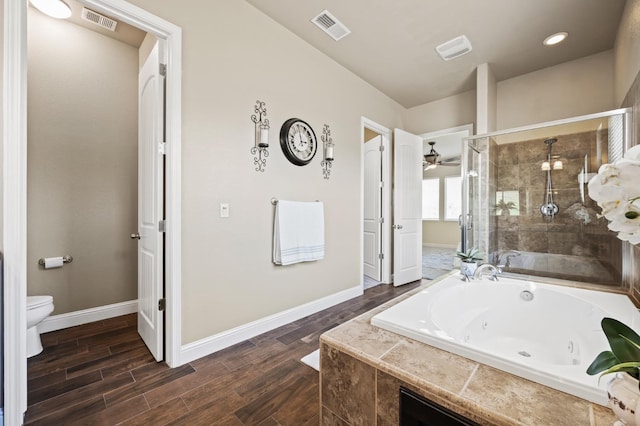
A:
x,y
507,255
484,267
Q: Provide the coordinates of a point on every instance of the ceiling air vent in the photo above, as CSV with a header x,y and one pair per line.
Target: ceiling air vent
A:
x,y
96,18
454,48
330,25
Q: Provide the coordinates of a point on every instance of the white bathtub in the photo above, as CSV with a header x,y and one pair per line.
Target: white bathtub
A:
x,y
550,339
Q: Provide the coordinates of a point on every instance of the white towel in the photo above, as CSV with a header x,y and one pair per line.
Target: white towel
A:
x,y
298,232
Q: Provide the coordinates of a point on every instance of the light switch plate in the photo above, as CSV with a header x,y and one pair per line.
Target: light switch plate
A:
x,y
224,209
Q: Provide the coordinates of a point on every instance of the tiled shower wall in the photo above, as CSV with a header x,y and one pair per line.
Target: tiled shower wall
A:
x,y
633,100
581,247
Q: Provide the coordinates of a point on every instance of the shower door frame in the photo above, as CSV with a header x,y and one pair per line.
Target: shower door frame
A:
x,y
627,249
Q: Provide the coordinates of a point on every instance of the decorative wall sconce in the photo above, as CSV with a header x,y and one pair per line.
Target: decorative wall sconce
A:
x,y
261,139
327,158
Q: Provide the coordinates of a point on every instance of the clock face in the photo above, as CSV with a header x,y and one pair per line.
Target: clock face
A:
x,y
298,141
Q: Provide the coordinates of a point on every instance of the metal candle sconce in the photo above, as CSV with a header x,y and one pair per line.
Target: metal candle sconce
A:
x,y
328,145
261,139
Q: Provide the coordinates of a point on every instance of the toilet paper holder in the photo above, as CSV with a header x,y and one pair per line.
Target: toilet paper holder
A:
x,y
65,259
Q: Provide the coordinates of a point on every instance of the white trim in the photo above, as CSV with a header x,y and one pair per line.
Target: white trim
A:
x,y
211,344
14,187
387,276
447,246
14,190
85,316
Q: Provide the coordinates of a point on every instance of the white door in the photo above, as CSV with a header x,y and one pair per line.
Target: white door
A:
x,y
150,202
372,208
407,208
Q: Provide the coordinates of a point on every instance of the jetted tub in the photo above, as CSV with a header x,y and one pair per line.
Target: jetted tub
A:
x,y
545,333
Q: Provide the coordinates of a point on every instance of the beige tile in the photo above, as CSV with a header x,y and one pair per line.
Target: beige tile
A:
x,y
524,401
347,387
440,368
364,338
329,418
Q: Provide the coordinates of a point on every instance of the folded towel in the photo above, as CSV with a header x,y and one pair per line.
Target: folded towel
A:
x,y
298,232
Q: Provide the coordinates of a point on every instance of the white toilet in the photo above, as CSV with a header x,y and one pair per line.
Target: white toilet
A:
x,y
38,308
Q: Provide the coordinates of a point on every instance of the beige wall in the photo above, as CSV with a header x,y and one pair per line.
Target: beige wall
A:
x,y
228,278
445,113
82,164
570,89
145,48
626,51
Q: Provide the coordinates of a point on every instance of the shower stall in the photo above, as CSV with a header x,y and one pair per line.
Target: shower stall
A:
x,y
526,203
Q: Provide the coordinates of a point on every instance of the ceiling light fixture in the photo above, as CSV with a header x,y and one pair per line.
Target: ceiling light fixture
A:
x,y
55,8
555,38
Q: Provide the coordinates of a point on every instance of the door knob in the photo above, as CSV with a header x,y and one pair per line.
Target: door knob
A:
x,y
397,226
135,236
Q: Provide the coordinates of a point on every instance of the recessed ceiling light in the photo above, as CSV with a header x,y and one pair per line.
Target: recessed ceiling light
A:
x,y
54,8
555,38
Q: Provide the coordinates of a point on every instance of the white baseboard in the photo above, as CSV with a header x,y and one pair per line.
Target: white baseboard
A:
x,y
216,342
71,319
447,246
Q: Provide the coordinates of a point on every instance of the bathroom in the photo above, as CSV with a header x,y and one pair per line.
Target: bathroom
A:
x,y
219,292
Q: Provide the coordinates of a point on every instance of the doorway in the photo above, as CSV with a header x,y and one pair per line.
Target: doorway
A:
x,y
442,199
14,187
376,204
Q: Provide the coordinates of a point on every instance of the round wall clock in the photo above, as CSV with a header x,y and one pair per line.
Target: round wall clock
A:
x,y
298,141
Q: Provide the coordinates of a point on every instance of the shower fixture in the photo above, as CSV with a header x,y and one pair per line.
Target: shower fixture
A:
x,y
549,208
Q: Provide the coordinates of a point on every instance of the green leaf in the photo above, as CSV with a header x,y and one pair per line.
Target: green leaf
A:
x,y
626,367
624,342
603,361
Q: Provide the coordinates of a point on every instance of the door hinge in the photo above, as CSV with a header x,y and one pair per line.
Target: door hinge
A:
x,y
381,148
381,184
162,226
381,220
162,148
381,256
162,304
163,70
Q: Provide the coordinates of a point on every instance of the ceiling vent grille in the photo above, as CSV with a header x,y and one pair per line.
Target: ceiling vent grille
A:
x,y
330,25
101,20
454,48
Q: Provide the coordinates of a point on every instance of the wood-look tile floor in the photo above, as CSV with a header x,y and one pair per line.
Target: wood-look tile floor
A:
x,y
102,374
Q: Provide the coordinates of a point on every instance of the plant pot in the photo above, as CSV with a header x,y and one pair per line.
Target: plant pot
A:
x,y
468,268
624,398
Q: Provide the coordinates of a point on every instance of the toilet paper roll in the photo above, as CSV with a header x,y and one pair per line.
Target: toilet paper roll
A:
x,y
53,262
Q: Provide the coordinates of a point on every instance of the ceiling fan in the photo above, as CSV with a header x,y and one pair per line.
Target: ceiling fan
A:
x,y
433,159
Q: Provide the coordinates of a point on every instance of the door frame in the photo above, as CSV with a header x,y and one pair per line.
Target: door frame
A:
x,y
14,185
386,198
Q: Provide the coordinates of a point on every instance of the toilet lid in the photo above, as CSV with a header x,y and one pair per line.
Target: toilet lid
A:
x,y
37,301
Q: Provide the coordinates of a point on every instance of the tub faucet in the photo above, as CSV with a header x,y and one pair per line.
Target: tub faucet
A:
x,y
487,266
508,254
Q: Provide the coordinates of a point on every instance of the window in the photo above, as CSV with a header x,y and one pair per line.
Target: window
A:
x,y
431,199
452,197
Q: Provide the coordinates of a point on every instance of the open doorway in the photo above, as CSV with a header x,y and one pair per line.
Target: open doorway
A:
x,y
376,204
94,174
15,184
441,199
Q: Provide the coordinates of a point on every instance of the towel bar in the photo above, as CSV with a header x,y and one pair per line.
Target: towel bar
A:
x,y
274,201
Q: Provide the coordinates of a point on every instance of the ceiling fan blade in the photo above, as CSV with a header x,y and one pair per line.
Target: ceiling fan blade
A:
x,y
450,164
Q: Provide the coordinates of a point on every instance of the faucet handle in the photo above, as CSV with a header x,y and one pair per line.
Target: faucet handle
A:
x,y
500,268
